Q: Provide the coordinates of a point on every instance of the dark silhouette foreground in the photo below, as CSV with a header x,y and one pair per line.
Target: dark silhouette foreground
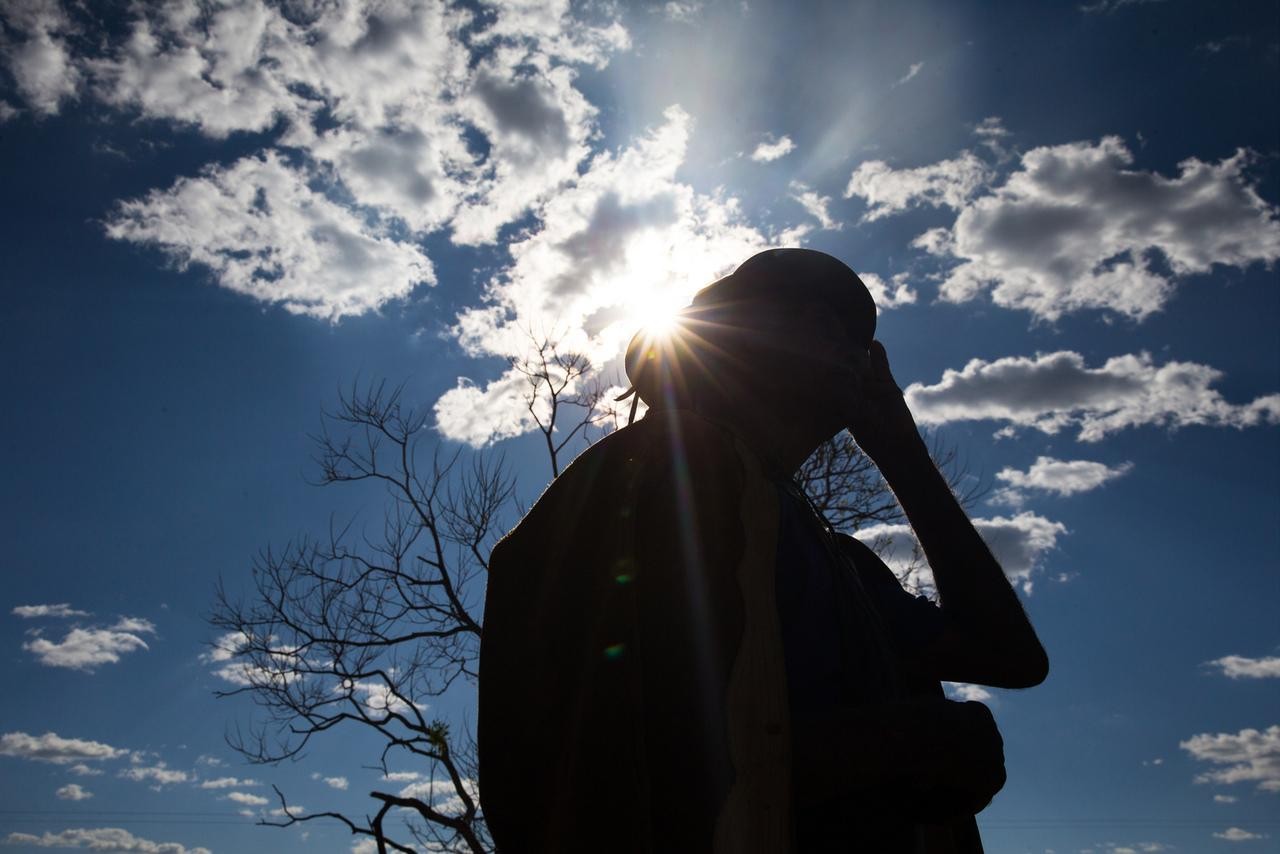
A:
x,y
680,655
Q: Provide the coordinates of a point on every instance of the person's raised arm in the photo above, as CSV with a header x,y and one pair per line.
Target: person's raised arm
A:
x,y
988,639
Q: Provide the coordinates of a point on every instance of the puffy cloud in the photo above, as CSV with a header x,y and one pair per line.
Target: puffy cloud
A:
x,y
339,783
39,60
1238,834
221,68
1053,391
73,792
1225,799
626,238
263,231
101,839
1249,755
52,747
160,774
815,205
380,116
891,294
227,783
1075,228
771,149
85,649
911,73
62,609
1059,477
1239,667
1018,542
247,798
949,183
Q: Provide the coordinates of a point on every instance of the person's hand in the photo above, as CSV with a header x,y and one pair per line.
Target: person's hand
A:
x,y
876,413
970,770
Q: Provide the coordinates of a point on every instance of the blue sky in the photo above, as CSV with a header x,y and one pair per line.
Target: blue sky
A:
x,y
215,220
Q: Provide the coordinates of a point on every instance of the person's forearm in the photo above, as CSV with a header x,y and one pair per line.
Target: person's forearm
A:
x,y
971,584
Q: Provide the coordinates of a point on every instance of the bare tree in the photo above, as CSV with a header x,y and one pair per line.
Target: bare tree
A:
x,y
359,630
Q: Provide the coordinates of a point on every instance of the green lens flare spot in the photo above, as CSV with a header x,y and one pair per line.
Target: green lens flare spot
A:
x,y
622,578
614,652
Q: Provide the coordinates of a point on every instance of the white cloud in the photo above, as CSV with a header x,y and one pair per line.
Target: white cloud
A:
x,y
101,839
62,609
892,294
378,114
1238,834
402,776
339,783
247,798
441,794
160,773
82,770
1250,755
626,236
1059,477
375,697
949,183
85,649
771,149
965,691
52,747
1075,228
1225,799
1053,391
227,783
911,73
815,205
42,67
73,792
1240,667
1019,543
263,231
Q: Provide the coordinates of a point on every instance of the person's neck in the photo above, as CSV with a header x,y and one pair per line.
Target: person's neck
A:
x,y
781,443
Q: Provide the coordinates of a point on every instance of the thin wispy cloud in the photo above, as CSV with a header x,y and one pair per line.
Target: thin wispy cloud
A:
x,y
53,748
911,73
100,839
61,609
1241,667
88,648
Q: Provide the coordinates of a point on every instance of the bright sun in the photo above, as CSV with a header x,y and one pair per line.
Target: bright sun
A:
x,y
655,313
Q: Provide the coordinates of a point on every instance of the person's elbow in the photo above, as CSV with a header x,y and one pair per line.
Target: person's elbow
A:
x,y
1028,668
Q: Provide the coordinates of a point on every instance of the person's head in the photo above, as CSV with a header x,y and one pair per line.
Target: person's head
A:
x,y
779,332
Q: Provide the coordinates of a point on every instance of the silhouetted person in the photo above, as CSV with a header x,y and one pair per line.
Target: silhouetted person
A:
x,y
680,655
